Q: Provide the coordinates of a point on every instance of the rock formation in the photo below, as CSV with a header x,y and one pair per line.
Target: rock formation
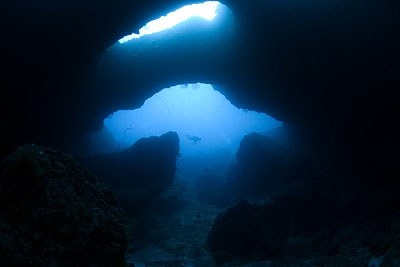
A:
x,y
248,229
262,164
54,212
139,173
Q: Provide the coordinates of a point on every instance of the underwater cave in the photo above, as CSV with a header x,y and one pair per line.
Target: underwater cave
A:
x,y
190,133
204,119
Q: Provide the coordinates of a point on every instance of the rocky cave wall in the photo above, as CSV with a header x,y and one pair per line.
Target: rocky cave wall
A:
x,y
328,67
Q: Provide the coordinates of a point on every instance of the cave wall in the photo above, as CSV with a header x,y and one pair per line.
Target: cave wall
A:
x,y
328,67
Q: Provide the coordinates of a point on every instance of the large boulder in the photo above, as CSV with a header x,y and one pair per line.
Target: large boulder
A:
x,y
54,212
262,164
139,173
248,230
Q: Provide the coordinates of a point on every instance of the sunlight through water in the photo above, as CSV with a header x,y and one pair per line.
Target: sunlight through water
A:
x,y
206,10
203,118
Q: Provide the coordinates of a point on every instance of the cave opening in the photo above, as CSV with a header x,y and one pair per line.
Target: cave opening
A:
x,y
178,151
206,10
209,126
184,176
206,122
113,170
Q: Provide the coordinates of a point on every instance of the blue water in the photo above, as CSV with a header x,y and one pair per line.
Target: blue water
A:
x,y
204,119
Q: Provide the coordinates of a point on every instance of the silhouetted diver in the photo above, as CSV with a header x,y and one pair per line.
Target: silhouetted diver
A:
x,y
194,139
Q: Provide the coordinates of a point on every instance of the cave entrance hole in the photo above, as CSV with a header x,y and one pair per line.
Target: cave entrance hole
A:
x,y
206,122
206,10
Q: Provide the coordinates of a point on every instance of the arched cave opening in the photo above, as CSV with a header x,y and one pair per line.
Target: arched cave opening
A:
x,y
209,128
205,121
134,151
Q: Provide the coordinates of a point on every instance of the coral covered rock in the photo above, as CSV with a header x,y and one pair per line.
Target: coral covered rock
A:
x,y
141,172
248,230
56,213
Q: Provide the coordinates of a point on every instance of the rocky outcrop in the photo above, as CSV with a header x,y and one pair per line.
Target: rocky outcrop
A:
x,y
54,212
248,230
262,164
139,173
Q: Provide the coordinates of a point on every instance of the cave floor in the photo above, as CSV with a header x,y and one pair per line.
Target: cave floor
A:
x,y
174,235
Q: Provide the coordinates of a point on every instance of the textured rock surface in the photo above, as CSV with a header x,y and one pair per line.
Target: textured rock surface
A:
x,y
248,230
56,213
141,172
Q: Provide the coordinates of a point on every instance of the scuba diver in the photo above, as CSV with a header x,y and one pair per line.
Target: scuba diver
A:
x,y
194,139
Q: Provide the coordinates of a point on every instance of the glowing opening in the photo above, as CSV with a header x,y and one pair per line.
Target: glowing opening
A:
x,y
206,10
204,119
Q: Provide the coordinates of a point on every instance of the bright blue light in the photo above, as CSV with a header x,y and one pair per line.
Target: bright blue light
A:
x,y
206,10
193,111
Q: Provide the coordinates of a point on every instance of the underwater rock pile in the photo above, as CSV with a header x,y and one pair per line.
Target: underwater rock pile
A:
x,y
54,212
248,230
139,173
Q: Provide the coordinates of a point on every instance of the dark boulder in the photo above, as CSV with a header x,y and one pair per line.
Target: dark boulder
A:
x,y
56,213
139,173
248,230
262,164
